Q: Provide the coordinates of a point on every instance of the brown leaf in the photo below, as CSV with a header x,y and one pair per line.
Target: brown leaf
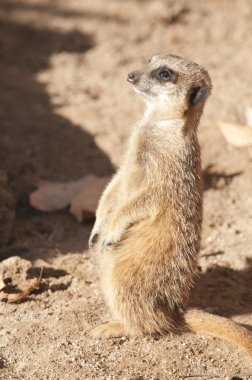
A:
x,y
249,116
3,296
235,134
26,293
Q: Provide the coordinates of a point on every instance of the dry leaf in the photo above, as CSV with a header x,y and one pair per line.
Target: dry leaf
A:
x,y
26,293
249,116
52,196
235,134
84,203
82,196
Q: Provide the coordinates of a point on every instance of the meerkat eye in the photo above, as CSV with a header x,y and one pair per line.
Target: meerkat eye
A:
x,y
165,74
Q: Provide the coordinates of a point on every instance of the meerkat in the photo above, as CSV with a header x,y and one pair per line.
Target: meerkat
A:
x,y
148,221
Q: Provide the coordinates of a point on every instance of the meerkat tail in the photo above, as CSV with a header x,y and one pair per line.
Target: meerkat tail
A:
x,y
200,321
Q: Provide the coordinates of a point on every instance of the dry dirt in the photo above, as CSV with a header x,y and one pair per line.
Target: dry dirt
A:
x,y
66,111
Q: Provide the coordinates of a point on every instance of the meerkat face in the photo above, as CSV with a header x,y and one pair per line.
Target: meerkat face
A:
x,y
172,80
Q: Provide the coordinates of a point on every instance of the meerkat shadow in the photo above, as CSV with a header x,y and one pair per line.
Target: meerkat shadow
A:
x,y
224,290
37,142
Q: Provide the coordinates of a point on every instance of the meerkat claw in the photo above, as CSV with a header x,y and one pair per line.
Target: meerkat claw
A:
x,y
92,240
105,244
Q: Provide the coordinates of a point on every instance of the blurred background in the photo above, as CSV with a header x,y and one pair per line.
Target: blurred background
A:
x,y
66,110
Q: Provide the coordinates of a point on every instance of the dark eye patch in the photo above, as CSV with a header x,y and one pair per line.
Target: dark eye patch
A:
x,y
164,74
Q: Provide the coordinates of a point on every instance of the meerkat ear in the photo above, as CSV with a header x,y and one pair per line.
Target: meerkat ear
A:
x,y
198,94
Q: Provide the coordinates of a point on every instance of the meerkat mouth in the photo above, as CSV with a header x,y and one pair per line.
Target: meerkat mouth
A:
x,y
144,92
137,90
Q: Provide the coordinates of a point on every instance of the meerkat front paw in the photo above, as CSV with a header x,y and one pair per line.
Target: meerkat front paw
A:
x,y
113,237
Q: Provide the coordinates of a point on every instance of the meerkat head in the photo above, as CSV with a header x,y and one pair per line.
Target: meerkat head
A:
x,y
172,82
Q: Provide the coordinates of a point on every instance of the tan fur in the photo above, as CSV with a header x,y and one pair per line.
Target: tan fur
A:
x,y
149,217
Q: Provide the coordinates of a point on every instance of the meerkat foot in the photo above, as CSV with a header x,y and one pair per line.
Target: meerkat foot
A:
x,y
109,330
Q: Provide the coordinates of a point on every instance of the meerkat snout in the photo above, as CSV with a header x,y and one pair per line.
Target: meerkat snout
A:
x,y
132,77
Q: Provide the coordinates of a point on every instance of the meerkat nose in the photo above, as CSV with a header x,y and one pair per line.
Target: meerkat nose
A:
x,y
132,77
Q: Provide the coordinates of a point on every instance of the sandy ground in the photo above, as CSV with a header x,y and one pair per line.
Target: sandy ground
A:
x,y
66,111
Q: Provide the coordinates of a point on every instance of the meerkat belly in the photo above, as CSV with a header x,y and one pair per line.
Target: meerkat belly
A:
x,y
144,281
133,179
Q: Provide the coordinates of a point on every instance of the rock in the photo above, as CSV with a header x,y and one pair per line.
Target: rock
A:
x,y
15,268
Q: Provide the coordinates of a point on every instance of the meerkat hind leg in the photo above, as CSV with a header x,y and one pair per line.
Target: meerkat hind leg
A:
x,y
111,330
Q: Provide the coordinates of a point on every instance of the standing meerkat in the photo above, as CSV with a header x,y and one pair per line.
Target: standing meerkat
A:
x,y
149,217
